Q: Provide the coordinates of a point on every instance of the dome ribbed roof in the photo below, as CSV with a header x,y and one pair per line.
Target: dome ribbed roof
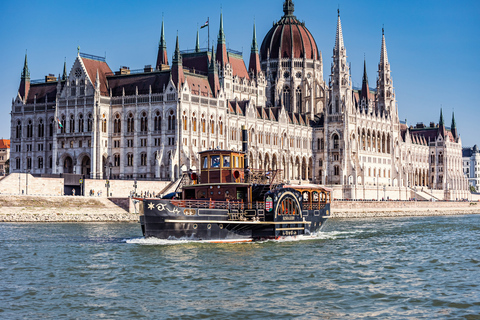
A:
x,y
289,38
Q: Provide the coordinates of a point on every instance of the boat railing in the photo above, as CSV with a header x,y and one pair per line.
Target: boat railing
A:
x,y
227,205
314,206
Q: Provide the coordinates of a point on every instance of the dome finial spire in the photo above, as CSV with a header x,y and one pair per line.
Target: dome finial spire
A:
x,y
288,7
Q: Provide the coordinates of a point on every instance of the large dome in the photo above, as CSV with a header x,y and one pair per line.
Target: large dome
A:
x,y
289,38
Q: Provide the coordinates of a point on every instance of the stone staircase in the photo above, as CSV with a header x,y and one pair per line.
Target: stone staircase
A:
x,y
423,195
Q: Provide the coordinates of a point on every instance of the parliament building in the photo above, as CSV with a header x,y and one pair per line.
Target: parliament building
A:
x,y
151,123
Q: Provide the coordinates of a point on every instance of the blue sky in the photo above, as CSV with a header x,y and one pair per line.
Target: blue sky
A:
x,y
433,45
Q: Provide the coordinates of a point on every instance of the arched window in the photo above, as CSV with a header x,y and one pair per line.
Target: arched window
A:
x,y
194,122
82,88
220,126
81,127
336,143
90,123
18,130
203,124
29,129
298,98
143,159
40,162
171,121
73,89
336,170
157,122
130,123
286,98
130,160
212,125
104,123
117,124
41,129
116,160
72,123
144,122
184,121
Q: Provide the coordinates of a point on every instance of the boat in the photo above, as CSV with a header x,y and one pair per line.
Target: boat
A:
x,y
226,201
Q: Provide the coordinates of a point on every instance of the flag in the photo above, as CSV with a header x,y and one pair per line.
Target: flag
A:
x,y
205,25
59,124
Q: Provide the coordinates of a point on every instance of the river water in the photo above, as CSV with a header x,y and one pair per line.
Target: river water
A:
x,y
390,268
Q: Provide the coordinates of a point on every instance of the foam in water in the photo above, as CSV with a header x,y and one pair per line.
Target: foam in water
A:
x,y
315,236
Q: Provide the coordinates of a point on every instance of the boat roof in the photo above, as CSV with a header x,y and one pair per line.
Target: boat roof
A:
x,y
308,186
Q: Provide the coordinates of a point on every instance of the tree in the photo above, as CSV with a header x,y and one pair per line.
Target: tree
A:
x,y
472,189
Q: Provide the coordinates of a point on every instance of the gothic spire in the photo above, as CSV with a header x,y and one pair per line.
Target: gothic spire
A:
x,y
177,58
178,76
64,76
339,38
441,123
25,72
288,8
162,58
197,44
254,65
383,54
365,89
222,57
454,124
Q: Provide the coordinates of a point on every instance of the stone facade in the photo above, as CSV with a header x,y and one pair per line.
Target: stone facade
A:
x,y
4,156
471,166
150,124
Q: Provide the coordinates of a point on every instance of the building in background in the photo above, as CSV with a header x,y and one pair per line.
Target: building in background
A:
x,y
471,166
4,156
151,123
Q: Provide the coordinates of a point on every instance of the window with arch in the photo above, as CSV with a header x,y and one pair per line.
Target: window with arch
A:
x,y
194,122
336,141
144,122
130,160
117,124
203,124
143,159
40,162
184,121
90,123
116,160
29,129
41,129
130,123
82,87
73,90
171,120
336,170
104,123
220,126
18,130
286,98
72,123
212,125
81,126
50,127
298,98
157,122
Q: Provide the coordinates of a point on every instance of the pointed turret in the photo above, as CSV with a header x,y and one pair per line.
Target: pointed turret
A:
x,y
24,80
441,122
162,58
383,53
339,38
222,57
213,79
441,125
197,44
385,94
454,126
177,67
365,94
254,65
64,76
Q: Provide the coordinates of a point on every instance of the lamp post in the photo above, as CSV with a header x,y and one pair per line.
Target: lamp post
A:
x,y
26,181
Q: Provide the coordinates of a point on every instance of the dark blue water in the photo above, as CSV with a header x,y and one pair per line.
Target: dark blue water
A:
x,y
396,268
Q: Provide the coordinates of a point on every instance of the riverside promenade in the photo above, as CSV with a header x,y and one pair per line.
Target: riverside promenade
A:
x,y
14,208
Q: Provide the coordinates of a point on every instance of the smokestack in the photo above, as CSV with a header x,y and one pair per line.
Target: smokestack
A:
x,y
245,145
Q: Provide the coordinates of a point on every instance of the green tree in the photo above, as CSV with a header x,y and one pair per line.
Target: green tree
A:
x,y
472,189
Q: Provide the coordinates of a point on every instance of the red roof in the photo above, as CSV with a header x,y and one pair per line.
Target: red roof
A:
x,y
238,67
42,91
4,144
199,84
92,66
156,80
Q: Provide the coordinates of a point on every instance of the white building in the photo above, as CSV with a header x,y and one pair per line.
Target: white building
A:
x,y
151,123
471,166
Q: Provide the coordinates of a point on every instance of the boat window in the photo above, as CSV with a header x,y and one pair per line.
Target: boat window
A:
x,y
215,162
236,162
315,196
205,163
306,196
226,161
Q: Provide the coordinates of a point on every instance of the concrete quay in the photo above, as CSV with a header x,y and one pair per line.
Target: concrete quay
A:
x,y
14,208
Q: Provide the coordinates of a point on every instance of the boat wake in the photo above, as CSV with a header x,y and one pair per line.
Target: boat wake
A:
x,y
333,235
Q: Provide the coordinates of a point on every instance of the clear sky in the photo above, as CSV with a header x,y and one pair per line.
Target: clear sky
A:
x,y
433,45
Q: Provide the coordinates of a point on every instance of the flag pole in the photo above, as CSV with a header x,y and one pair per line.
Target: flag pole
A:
x,y
208,46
